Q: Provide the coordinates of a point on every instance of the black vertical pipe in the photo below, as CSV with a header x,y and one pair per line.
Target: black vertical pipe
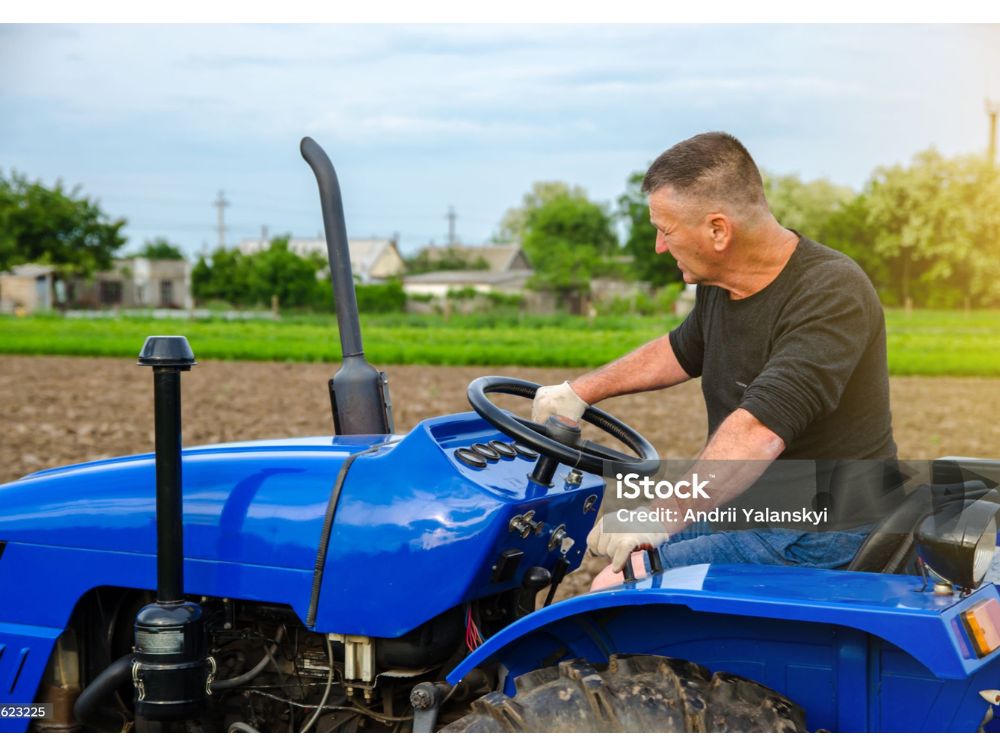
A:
x,y
171,670
169,356
169,521
359,393
341,275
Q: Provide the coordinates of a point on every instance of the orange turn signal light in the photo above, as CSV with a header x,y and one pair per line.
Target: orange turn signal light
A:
x,y
982,625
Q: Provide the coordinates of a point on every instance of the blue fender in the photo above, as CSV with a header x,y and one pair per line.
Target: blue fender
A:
x,y
858,651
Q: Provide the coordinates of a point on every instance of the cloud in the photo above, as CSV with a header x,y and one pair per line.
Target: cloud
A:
x,y
377,126
161,117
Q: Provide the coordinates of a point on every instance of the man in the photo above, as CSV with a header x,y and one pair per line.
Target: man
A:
x,y
787,335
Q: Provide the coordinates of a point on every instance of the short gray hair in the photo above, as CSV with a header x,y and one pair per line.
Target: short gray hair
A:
x,y
709,165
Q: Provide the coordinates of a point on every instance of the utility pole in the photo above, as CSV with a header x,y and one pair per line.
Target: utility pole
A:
x,y
220,204
992,107
451,216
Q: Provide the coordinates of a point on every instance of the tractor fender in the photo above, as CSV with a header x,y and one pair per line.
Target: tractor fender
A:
x,y
857,651
699,602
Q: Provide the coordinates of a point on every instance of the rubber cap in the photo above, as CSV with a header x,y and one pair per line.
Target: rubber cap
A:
x,y
166,351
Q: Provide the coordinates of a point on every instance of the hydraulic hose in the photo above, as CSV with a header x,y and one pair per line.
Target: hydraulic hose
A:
x,y
241,726
326,692
115,675
257,669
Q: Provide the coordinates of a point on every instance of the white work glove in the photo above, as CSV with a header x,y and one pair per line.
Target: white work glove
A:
x,y
619,546
557,399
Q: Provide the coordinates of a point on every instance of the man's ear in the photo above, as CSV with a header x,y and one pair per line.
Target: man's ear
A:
x,y
720,231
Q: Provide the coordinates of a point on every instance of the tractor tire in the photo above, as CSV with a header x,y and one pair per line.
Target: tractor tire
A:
x,y
637,693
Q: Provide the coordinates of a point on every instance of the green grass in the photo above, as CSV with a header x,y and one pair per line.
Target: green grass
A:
x,y
928,343
934,342
562,341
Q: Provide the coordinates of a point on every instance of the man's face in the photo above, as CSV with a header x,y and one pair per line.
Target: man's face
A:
x,y
681,231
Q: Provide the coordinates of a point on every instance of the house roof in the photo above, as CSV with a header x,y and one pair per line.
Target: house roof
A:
x,y
364,253
468,278
499,257
174,264
30,269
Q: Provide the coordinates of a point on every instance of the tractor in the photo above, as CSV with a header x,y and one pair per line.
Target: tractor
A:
x,y
373,581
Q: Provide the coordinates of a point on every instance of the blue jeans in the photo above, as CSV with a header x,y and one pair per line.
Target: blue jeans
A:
x,y
827,549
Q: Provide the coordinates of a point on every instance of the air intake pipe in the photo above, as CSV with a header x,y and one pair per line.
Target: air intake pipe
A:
x,y
359,394
171,669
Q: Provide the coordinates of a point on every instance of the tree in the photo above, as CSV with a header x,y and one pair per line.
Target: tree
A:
x,y
230,276
238,279
512,225
223,276
569,240
279,271
159,249
53,227
633,208
447,259
804,206
936,231
848,230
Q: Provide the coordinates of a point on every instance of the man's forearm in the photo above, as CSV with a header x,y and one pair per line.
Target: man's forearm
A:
x,y
651,366
735,457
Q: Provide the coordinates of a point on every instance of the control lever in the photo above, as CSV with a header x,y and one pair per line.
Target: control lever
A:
x,y
655,564
560,568
535,579
629,570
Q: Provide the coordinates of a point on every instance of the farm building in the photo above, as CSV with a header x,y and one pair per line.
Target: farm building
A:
x,y
27,289
490,268
130,283
371,260
135,283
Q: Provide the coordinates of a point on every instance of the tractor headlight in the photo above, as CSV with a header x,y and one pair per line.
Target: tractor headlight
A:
x,y
959,540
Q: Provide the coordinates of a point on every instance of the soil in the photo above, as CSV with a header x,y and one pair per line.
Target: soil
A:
x,y
60,410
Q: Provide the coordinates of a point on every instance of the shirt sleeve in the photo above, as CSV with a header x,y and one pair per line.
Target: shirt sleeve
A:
x,y
687,339
814,355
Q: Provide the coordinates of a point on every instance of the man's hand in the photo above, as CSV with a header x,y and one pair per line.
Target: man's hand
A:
x,y
619,545
557,399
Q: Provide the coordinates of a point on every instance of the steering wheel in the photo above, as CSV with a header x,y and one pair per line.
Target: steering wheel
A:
x,y
550,440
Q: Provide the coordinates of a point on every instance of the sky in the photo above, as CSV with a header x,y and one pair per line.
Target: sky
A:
x,y
153,121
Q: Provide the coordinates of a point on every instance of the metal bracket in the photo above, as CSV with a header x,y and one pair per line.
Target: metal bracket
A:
x,y
426,699
137,683
525,524
359,657
212,669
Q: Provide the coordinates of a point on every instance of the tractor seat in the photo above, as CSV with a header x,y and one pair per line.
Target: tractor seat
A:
x,y
889,547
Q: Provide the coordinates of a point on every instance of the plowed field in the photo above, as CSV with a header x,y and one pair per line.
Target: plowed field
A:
x,y
58,410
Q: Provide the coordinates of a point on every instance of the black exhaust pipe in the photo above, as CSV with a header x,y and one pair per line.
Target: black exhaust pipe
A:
x,y
359,394
171,670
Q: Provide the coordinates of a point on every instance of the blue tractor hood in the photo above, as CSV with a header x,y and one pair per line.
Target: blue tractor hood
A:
x,y
255,503
413,532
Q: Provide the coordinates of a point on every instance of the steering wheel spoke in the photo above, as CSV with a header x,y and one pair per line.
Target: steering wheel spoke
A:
x,y
604,452
534,426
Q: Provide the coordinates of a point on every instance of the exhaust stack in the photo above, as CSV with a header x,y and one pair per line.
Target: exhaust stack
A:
x,y
359,394
171,670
